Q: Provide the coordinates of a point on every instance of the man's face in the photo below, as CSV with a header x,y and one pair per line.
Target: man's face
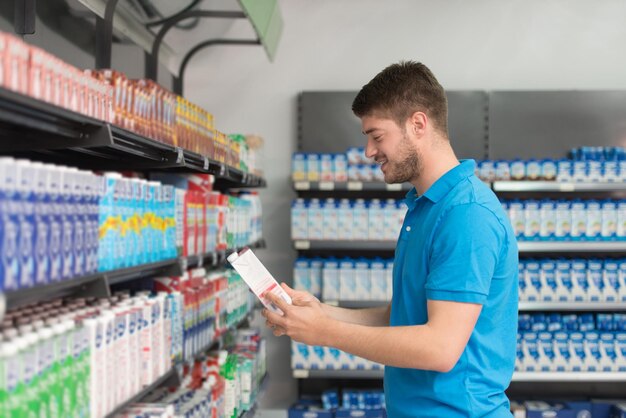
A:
x,y
392,149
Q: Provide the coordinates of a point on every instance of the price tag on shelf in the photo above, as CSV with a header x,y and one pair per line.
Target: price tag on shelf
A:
x,y
567,187
222,169
302,185
327,185
214,259
180,156
300,374
355,185
206,164
184,263
201,260
394,187
302,245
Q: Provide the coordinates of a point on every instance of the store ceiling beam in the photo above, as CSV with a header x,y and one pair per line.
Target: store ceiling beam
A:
x,y
179,81
152,64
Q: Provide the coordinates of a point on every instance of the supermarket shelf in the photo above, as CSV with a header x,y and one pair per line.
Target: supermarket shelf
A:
x,y
344,245
338,374
98,284
262,387
573,306
170,378
53,134
571,246
554,186
583,377
351,186
358,304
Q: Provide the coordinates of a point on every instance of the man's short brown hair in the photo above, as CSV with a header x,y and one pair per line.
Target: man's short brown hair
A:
x,y
400,90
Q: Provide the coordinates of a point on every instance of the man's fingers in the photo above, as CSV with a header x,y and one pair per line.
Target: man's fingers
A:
x,y
275,319
288,289
277,301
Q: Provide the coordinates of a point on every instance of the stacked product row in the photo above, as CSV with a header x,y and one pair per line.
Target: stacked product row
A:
x,y
345,279
59,222
348,166
578,280
571,343
352,403
141,106
594,408
306,357
61,358
567,220
224,384
345,219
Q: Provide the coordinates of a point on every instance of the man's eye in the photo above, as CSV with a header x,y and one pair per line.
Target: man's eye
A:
x,y
378,138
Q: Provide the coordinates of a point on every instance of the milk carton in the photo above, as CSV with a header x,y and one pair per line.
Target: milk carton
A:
x,y
330,221
560,363
315,276
621,219
326,167
563,279
577,352
579,220
26,223
401,209
621,167
610,281
564,171
519,359
530,351
547,277
300,356
594,220
610,172
547,216
379,280
347,280
609,219
521,272
376,220
548,170
532,278
298,167
533,170
517,216
487,171
592,351
42,228
299,220
503,171
9,207
532,220
545,350
363,282
345,222
621,280
580,282
594,171
301,277
595,289
340,167
518,170
563,228
607,352
390,227
620,351
580,171
330,280
313,167
360,220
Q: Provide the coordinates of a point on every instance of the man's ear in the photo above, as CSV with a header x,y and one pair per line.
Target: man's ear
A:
x,y
417,123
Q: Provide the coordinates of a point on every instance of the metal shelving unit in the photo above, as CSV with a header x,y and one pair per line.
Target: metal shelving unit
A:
x,y
350,186
99,284
572,306
572,246
52,134
344,245
554,186
580,377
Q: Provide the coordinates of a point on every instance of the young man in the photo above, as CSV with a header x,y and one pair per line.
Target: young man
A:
x,y
448,338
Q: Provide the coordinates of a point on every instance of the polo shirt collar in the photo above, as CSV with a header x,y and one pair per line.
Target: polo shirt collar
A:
x,y
444,184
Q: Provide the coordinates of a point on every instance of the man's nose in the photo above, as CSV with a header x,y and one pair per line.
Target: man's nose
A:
x,y
370,149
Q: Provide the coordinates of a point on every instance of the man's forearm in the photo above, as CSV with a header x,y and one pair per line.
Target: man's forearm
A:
x,y
374,317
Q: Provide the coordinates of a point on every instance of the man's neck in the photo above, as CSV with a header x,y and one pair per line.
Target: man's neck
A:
x,y
438,161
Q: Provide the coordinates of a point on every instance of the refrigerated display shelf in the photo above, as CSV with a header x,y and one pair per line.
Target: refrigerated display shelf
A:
x,y
571,246
344,245
582,377
170,378
350,186
572,306
99,284
555,186
52,134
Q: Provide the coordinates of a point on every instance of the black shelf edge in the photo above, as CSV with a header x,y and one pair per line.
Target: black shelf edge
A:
x,y
56,135
171,377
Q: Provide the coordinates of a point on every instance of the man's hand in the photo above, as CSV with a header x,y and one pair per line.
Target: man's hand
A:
x,y
304,320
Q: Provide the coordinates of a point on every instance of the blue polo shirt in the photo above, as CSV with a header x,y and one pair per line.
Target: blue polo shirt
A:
x,y
457,244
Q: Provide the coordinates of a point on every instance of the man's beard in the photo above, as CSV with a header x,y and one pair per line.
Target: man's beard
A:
x,y
407,169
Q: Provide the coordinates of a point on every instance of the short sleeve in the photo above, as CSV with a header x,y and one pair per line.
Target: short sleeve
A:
x,y
464,253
